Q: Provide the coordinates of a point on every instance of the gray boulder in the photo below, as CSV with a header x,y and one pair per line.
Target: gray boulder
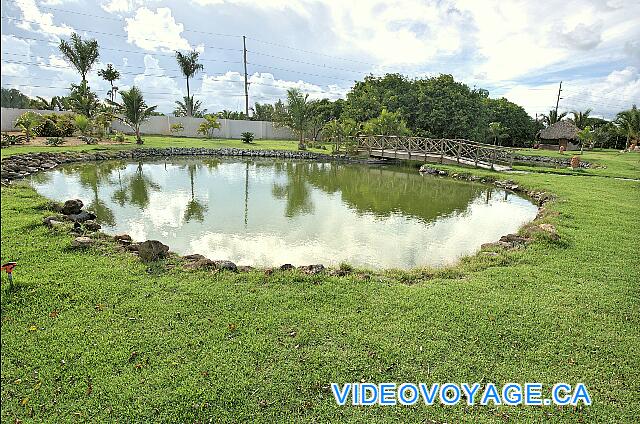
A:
x,y
82,216
152,250
226,265
312,269
73,206
81,242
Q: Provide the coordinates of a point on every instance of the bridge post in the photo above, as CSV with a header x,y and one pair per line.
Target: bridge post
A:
x,y
395,152
493,158
510,158
476,155
441,150
458,150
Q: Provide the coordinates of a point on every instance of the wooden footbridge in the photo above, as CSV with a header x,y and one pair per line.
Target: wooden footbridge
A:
x,y
436,150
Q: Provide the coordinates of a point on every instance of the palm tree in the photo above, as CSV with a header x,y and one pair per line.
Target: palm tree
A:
x,y
189,104
110,74
497,132
189,66
133,110
629,123
83,100
553,117
580,119
295,115
54,104
81,54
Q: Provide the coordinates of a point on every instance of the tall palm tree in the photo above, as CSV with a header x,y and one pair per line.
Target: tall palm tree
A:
x,y
629,123
189,104
189,66
553,117
110,74
81,54
295,115
133,110
580,119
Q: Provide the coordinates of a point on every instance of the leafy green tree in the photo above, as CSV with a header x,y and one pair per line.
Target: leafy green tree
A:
x,y
320,112
388,123
81,54
262,112
522,128
13,98
341,132
83,124
110,74
189,104
449,109
497,133
232,114
209,125
82,100
133,110
26,123
393,92
580,119
189,66
629,122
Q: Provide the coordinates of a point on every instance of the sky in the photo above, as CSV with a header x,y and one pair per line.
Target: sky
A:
x,y
520,50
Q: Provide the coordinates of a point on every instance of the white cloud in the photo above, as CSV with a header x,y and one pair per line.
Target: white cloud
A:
x,y
157,88
156,31
35,20
605,95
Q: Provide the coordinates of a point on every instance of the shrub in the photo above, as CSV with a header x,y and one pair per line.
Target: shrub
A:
x,y
54,125
119,137
176,128
83,124
54,141
210,123
12,139
247,137
27,123
88,139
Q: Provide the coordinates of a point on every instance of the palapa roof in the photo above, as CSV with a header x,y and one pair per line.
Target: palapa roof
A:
x,y
561,129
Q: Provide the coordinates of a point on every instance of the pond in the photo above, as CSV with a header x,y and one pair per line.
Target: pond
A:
x,y
272,212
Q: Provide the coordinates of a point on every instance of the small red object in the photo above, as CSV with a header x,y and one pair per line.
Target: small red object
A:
x,y
9,268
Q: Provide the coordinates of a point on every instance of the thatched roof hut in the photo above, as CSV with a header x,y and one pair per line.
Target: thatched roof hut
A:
x,y
562,133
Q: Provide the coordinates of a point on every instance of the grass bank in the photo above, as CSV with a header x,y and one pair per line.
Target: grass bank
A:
x,y
95,335
162,141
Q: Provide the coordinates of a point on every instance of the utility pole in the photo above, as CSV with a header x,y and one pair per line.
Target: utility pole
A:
x,y
557,101
246,83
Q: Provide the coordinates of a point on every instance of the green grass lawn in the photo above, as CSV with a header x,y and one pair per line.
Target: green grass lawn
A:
x,y
163,141
91,336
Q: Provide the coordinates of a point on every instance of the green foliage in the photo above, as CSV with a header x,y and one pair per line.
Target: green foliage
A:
x,y
81,54
133,110
119,137
497,132
580,119
586,137
189,107
56,103
262,112
295,115
12,139
82,100
176,128
88,139
54,141
552,117
521,127
388,123
247,137
232,114
629,122
27,122
83,124
14,98
55,125
210,124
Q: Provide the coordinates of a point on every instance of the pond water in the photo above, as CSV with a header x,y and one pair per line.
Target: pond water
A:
x,y
271,212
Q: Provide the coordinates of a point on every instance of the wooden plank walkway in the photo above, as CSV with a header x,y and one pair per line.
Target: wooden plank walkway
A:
x,y
446,151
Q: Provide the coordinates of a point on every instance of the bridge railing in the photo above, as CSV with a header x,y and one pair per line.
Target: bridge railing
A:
x,y
445,148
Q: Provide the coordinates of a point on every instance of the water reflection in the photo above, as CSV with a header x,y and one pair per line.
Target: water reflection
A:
x,y
273,212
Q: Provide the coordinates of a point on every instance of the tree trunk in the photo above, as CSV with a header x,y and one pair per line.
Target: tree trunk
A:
x,y
188,106
138,138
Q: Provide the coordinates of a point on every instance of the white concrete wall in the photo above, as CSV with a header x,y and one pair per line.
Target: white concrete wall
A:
x,y
161,125
229,128
9,116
